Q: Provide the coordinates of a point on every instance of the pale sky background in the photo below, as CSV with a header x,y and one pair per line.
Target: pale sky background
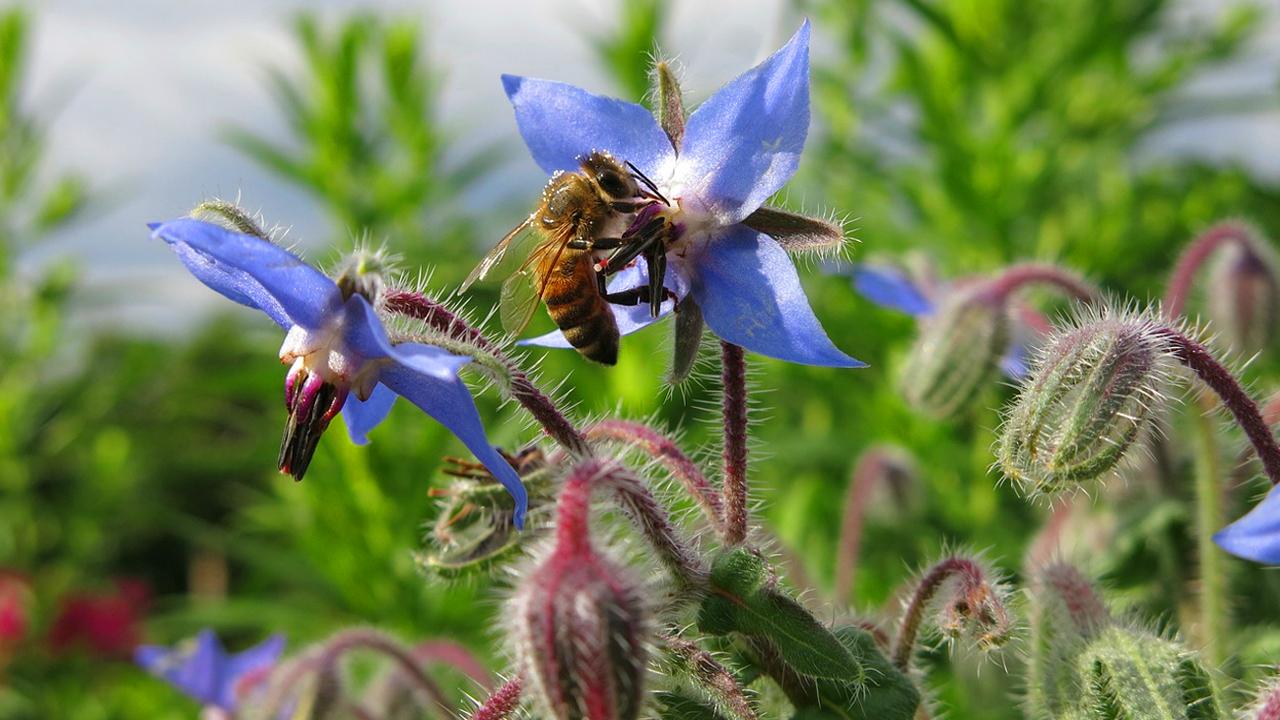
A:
x,y
141,88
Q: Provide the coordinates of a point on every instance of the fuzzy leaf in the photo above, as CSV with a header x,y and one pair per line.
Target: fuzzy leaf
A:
x,y
740,600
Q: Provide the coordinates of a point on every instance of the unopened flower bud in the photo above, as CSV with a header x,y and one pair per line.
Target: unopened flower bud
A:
x,y
580,628
1130,674
1244,296
580,624
956,353
1084,405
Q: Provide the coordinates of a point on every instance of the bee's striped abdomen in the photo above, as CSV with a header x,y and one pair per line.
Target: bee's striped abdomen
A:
x,y
574,303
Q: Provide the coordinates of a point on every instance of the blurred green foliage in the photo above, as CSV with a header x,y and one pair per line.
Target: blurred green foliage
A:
x,y
978,132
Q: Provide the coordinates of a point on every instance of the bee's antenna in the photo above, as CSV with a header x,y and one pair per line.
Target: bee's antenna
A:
x,y
635,173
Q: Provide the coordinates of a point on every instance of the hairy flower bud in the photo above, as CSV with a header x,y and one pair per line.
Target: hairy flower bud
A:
x,y
1244,296
1127,674
580,624
956,353
1084,405
1065,613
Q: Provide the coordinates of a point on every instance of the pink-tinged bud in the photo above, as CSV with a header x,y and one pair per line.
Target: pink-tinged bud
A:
x,y
580,624
1244,296
1266,704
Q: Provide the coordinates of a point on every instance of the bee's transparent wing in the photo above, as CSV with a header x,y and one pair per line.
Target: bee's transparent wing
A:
x,y
521,237
519,298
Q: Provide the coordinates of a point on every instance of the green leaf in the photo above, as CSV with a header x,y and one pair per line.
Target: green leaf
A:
x,y
674,706
742,601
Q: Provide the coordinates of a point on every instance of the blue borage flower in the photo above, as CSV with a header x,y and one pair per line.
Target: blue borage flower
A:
x,y
740,147
892,288
1256,536
205,671
339,354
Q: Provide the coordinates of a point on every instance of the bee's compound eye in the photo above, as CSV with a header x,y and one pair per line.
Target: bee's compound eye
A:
x,y
613,183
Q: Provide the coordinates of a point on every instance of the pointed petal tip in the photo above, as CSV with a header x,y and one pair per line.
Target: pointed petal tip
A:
x,y
154,226
511,84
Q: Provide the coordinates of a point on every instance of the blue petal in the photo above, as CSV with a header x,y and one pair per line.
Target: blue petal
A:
x,y
891,288
1256,536
751,296
560,123
362,416
253,272
259,657
630,318
196,671
449,401
743,144
1016,362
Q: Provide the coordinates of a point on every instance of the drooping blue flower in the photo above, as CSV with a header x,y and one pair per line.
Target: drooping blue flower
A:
x,y
339,354
205,671
1256,536
740,147
891,288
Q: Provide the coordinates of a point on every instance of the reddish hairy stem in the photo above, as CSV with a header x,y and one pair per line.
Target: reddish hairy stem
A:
x,y
913,616
436,315
665,451
1175,297
1197,357
733,376
1018,276
348,640
502,703
872,466
448,652
573,516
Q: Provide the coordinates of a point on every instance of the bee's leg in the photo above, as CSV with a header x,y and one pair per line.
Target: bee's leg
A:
x,y
606,243
631,297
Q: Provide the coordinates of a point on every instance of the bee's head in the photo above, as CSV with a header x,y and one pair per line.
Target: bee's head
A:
x,y
612,179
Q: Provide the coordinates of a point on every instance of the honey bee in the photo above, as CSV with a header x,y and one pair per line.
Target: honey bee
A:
x,y
582,214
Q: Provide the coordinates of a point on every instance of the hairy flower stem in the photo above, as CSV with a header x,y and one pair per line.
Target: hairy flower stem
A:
x,y
733,376
714,678
502,703
358,639
1197,357
436,315
573,516
874,465
1175,298
1209,477
1016,277
665,451
909,627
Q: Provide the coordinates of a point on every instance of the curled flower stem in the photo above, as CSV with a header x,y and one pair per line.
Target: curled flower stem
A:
x,y
1015,277
1175,298
436,315
733,375
573,516
874,465
502,703
359,639
913,616
1197,357
664,450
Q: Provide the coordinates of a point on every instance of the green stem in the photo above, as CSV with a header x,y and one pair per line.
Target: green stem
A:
x,y
1209,481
